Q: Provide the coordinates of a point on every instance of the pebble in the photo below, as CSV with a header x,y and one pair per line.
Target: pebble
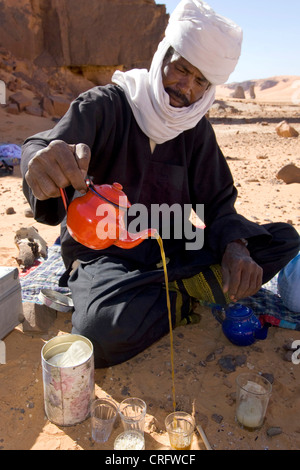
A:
x,y
28,213
10,210
217,418
274,431
269,377
229,363
211,357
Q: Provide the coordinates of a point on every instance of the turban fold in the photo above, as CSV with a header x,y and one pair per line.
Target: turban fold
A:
x,y
210,42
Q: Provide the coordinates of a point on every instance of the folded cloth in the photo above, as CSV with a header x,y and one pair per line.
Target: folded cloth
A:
x,y
45,276
10,154
269,308
288,284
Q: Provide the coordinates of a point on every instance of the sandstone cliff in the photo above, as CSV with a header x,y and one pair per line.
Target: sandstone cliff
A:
x,y
92,37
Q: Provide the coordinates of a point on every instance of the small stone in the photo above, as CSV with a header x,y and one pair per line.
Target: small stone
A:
x,y
28,213
289,174
217,418
125,391
10,210
20,100
211,357
269,377
284,129
240,360
274,431
12,108
34,111
227,364
288,345
288,356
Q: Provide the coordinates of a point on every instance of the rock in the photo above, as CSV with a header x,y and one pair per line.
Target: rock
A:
x,y
211,357
12,108
27,255
34,111
10,210
47,105
31,246
252,92
37,318
289,174
217,418
288,356
227,364
289,345
60,105
274,431
20,100
240,360
53,33
28,213
284,129
269,377
239,93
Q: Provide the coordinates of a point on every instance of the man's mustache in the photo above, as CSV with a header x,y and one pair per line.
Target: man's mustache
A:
x,y
179,95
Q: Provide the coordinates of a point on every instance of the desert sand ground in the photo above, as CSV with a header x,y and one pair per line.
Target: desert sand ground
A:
x,y
246,133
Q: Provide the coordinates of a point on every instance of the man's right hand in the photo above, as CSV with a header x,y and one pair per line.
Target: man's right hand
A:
x,y
57,166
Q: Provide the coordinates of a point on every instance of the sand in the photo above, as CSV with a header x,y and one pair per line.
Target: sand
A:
x,y
255,153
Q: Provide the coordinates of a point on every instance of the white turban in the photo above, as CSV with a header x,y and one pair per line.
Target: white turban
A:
x,y
210,42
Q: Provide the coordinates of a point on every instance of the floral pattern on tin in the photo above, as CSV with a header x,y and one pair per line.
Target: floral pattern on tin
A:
x,y
68,392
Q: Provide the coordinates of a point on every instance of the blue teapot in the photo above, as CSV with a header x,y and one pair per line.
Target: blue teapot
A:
x,y
239,324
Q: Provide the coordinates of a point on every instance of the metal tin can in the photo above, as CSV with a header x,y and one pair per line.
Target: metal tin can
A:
x,y
68,391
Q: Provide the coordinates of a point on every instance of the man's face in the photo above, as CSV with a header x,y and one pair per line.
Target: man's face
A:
x,y
183,82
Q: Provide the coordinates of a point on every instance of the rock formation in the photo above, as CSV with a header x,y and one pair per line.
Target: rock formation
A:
x,y
82,33
252,92
57,49
239,93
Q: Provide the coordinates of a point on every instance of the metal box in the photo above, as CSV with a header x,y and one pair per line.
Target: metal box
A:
x,y
11,309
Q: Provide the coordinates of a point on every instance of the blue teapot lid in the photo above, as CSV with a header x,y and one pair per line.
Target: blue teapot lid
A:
x,y
238,310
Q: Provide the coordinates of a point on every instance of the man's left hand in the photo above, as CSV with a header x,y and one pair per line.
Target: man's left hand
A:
x,y
242,277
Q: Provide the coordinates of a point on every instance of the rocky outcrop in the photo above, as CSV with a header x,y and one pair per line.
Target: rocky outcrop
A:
x,y
56,49
252,92
81,33
239,93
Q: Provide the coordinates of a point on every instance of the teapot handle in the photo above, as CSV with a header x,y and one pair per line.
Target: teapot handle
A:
x,y
64,197
219,313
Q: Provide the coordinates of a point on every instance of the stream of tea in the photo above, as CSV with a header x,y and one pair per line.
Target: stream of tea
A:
x,y
163,257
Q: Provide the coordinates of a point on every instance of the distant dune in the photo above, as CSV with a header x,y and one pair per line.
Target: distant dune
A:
x,y
284,88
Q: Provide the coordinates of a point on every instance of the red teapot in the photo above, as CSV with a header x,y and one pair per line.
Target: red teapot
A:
x,y
96,220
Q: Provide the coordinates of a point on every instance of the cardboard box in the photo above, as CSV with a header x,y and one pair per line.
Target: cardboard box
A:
x,y
11,309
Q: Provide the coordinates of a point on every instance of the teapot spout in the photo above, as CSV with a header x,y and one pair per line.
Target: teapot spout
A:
x,y
130,240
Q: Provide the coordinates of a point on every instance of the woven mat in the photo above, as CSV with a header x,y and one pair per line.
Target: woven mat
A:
x,y
44,276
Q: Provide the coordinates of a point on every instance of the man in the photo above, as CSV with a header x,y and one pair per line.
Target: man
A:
x,y
148,131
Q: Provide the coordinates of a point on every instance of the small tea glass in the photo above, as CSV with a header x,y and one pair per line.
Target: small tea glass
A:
x,y
180,427
132,412
103,415
252,398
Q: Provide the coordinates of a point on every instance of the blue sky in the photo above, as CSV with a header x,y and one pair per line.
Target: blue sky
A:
x,y
271,44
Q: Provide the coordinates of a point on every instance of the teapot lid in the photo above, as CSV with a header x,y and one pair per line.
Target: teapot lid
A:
x,y
238,310
112,194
